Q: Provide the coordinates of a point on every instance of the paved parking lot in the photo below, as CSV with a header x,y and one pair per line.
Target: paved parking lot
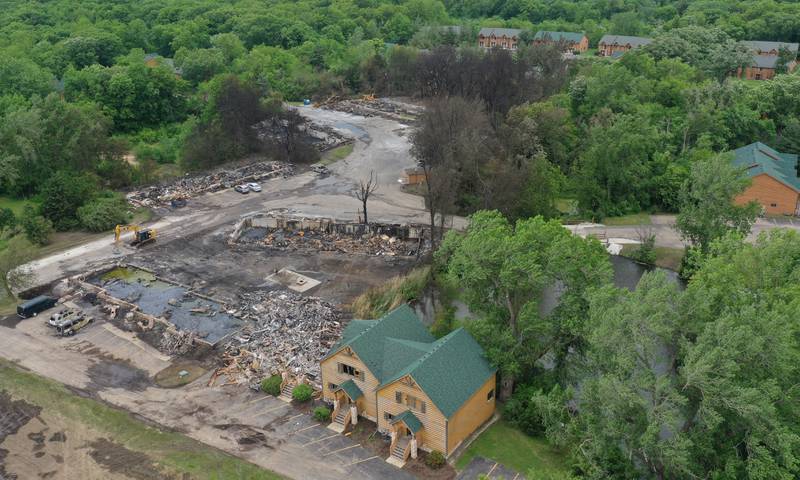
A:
x,y
110,364
491,469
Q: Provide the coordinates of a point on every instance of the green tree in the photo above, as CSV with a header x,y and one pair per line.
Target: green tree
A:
x,y
631,406
7,220
503,271
708,208
37,229
103,213
63,194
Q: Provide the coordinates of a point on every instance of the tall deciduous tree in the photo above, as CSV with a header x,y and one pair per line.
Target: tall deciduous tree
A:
x,y
708,210
503,270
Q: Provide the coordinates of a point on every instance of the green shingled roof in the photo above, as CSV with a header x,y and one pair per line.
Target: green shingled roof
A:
x,y
573,37
411,421
351,389
369,338
758,159
450,373
449,370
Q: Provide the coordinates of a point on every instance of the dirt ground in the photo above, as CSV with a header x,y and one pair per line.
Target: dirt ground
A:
x,y
37,443
206,262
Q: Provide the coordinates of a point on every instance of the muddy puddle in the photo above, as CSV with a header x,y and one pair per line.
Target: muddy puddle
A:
x,y
112,373
244,435
173,302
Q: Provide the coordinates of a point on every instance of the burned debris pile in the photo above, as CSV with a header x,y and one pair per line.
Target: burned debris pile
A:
x,y
292,233
285,332
190,186
321,137
367,244
369,106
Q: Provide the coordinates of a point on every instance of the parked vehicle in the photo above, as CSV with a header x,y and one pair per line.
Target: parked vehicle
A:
x,y
71,326
242,188
34,306
62,316
320,169
254,187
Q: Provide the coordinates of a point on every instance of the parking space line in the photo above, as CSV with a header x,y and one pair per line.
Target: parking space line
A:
x,y
295,416
320,440
272,409
342,449
258,399
515,477
304,429
362,461
492,470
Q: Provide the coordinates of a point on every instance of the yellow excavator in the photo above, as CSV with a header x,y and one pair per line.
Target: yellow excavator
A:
x,y
141,235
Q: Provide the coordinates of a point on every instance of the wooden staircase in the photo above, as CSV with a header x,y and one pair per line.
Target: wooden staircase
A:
x,y
286,392
341,414
399,452
340,418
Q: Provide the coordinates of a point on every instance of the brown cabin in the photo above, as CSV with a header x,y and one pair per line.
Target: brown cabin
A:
x,y
422,392
775,184
505,38
572,41
616,45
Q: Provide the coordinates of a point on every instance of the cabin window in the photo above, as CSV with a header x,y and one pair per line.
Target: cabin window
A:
x,y
773,204
350,370
332,386
411,402
388,416
490,396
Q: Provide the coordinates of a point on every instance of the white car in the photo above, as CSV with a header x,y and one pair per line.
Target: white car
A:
x,y
254,187
243,188
61,316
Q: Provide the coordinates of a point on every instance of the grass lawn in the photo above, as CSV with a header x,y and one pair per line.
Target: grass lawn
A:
x,y
566,206
335,154
527,455
16,205
176,454
666,257
628,220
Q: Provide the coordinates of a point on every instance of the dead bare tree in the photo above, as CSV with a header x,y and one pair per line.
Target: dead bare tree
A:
x,y
365,189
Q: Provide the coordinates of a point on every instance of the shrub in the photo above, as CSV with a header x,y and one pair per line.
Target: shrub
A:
x,y
322,414
37,228
646,251
63,194
378,301
435,460
272,385
103,214
302,392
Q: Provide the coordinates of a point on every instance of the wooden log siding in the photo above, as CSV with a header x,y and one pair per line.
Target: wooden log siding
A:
x,y
434,424
477,410
774,196
367,383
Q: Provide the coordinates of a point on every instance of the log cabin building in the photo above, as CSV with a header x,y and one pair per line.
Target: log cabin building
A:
x,y
617,45
424,393
572,41
767,59
505,38
775,183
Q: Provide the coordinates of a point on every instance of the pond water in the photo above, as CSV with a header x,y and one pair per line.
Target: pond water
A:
x,y
627,274
173,302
